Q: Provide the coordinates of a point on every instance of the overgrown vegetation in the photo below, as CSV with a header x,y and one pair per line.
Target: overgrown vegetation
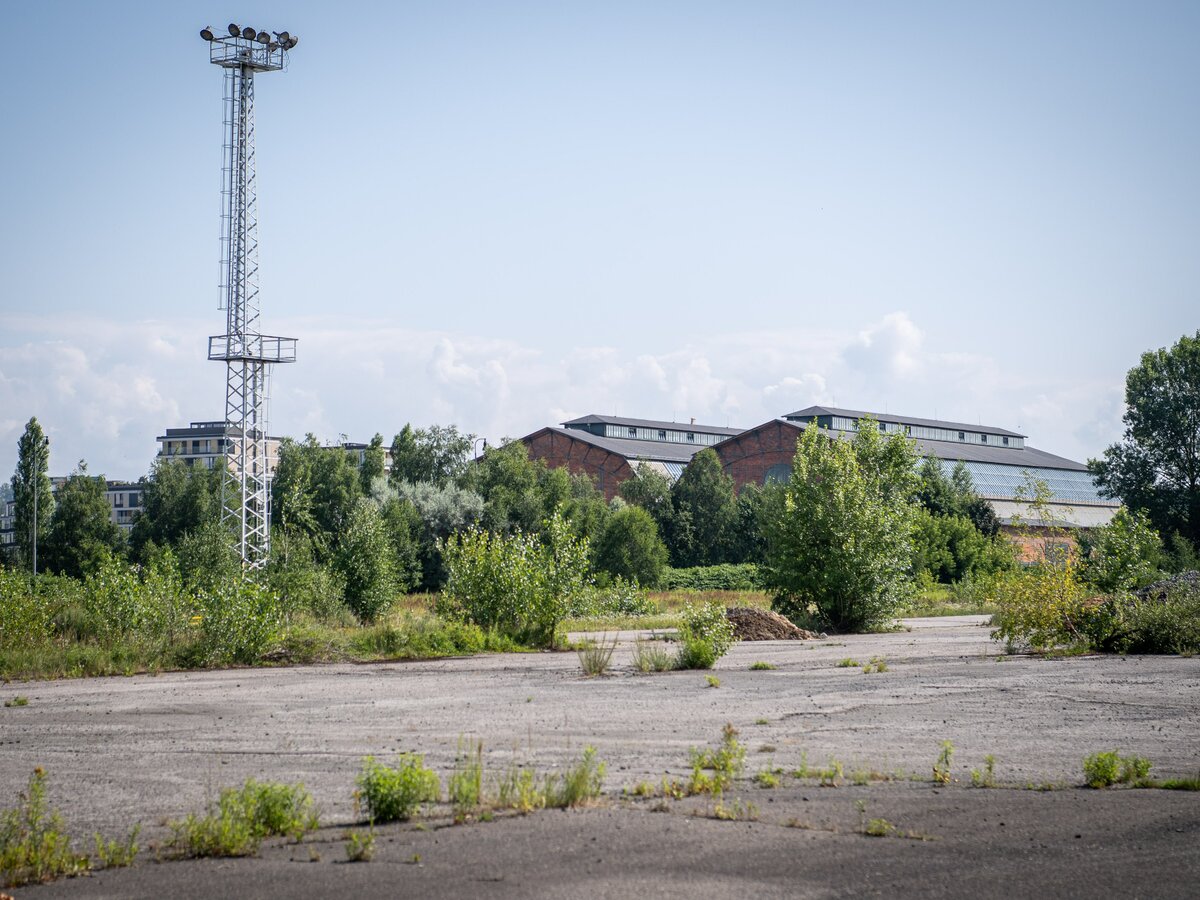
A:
x,y
242,817
705,635
1109,767
395,793
34,845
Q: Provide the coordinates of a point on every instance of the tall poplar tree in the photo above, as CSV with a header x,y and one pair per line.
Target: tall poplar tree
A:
x,y
29,481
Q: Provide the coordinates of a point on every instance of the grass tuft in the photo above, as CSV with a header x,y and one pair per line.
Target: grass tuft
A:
x,y
395,793
241,819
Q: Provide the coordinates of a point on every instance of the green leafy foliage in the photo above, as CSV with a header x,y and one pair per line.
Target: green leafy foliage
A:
x,y
82,533
33,844
30,487
1124,554
242,818
725,763
437,455
840,532
723,577
579,785
1106,768
239,621
1156,466
705,512
521,584
705,635
629,547
395,793
365,562
177,499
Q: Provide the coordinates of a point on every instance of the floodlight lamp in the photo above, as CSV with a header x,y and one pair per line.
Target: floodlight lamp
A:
x,y
272,47
283,36
248,33
234,31
206,33
292,42
263,38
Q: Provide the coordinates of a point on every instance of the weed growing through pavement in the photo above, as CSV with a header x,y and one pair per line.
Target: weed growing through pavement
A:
x,y
737,811
116,854
725,763
33,845
767,778
877,664
712,681
762,722
241,819
360,845
849,663
395,793
16,701
465,785
1107,768
518,789
941,766
652,656
985,778
579,785
595,656
767,748
761,666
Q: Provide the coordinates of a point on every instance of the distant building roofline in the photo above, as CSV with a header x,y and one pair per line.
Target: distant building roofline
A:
x,y
901,420
594,419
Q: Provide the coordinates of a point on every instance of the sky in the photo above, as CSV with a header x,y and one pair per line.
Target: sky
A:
x,y
505,214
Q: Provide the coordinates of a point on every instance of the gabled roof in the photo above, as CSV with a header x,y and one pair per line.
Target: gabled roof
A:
x,y
594,419
901,420
952,451
631,449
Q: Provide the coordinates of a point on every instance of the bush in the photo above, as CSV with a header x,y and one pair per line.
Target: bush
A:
x,y
580,784
395,793
1040,608
630,547
705,635
242,818
1123,555
839,534
1107,768
238,622
723,577
25,618
364,560
620,598
520,584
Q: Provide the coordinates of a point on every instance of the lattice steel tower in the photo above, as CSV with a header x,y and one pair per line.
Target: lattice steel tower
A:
x,y
247,354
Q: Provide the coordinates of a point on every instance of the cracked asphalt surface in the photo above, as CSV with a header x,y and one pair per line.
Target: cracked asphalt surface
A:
x,y
148,748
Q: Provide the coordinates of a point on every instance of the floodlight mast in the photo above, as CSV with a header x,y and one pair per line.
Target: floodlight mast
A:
x,y
247,354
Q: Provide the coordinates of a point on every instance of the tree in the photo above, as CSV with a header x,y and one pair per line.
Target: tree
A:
x,y
177,499
1123,555
314,490
704,512
839,535
364,560
374,464
518,493
30,481
629,547
1156,466
436,454
82,534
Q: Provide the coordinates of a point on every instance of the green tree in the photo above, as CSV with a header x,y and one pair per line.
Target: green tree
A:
x,y
839,535
365,562
950,548
29,481
436,454
374,463
1123,555
176,500
1156,466
518,493
82,534
704,513
315,489
629,547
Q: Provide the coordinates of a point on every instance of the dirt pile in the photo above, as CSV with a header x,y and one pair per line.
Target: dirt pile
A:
x,y
751,624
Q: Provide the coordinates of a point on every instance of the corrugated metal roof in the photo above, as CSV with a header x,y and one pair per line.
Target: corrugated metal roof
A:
x,y
900,420
658,451
653,423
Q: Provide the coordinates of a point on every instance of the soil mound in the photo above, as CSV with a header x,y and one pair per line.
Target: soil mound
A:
x,y
751,624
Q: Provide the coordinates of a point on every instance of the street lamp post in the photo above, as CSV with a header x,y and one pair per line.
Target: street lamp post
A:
x,y
474,447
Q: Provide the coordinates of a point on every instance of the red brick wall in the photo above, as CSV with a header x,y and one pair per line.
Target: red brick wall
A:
x,y
558,450
747,457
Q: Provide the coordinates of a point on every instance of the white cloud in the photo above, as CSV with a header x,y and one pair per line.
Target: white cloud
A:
x,y
104,390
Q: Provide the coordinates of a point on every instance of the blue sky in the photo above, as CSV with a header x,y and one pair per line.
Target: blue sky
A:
x,y
504,214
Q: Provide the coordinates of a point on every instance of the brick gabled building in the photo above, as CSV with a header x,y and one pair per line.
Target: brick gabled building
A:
x,y
999,460
609,448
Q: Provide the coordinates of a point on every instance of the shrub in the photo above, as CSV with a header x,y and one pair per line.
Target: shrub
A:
x,y
1124,554
839,535
395,793
1041,607
705,635
25,618
520,584
238,622
242,818
594,657
33,846
723,577
726,763
364,560
1107,768
630,547
652,656
619,598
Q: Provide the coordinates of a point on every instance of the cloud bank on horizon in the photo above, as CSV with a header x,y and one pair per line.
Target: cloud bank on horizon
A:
x,y
105,390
